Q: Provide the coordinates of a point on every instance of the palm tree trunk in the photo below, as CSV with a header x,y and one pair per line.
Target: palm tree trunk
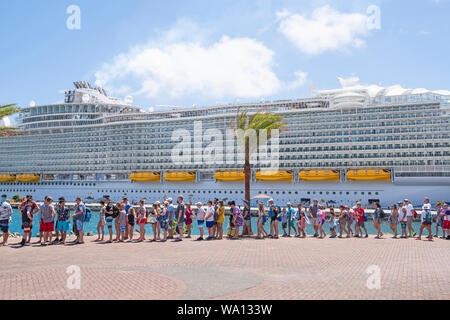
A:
x,y
247,169
247,173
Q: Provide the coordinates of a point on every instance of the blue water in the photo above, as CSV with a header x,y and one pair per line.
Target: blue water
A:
x,y
92,226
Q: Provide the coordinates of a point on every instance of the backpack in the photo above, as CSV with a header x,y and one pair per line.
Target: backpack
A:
x,y
116,212
382,214
88,215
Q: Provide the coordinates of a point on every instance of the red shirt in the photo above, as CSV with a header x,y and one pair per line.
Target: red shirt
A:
x,y
188,215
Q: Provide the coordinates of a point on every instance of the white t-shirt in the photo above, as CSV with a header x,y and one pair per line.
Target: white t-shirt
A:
x,y
210,211
5,211
401,214
409,210
426,207
200,214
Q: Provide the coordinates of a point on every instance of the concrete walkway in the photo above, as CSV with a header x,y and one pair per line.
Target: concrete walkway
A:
x,y
228,269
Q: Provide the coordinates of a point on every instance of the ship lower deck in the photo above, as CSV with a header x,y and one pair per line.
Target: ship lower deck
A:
x,y
336,193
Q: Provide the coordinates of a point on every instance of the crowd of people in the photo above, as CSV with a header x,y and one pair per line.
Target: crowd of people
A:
x,y
175,221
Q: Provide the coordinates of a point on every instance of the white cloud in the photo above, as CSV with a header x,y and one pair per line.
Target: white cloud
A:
x,y
326,30
302,78
179,64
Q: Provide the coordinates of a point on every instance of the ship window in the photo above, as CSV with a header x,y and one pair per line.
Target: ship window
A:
x,y
348,193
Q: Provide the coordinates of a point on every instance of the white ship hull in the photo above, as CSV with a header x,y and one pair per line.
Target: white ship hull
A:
x,y
347,193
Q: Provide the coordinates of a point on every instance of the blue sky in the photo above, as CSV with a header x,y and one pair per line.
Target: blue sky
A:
x,y
207,52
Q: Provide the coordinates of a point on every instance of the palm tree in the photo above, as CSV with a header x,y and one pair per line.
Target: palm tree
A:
x,y
258,122
5,111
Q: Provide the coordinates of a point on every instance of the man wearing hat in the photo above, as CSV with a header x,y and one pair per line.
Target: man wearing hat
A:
x,y
410,216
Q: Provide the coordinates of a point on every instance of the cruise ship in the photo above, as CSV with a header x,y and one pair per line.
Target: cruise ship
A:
x,y
356,143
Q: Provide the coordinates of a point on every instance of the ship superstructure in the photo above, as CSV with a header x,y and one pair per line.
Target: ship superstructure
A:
x,y
357,143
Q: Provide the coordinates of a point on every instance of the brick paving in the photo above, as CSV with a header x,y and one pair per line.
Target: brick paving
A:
x,y
246,269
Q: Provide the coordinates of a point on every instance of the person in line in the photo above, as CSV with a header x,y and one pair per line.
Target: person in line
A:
x,y
291,220
361,219
48,220
377,218
34,209
164,220
171,210
439,221
350,219
63,218
410,216
313,214
238,219
343,222
201,214
180,218
123,217
393,220
261,220
298,217
332,224
216,218
284,222
274,213
142,220
131,223
80,215
302,227
210,220
27,219
321,215
189,216
403,219
127,206
247,228
153,220
101,223
5,218
446,218
220,220
109,216
426,219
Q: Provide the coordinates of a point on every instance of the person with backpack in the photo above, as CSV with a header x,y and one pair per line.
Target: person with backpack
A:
x,y
79,217
426,219
109,217
377,218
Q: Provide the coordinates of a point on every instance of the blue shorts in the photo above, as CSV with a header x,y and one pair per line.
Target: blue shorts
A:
x,y
109,222
62,226
122,228
200,223
80,225
209,224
